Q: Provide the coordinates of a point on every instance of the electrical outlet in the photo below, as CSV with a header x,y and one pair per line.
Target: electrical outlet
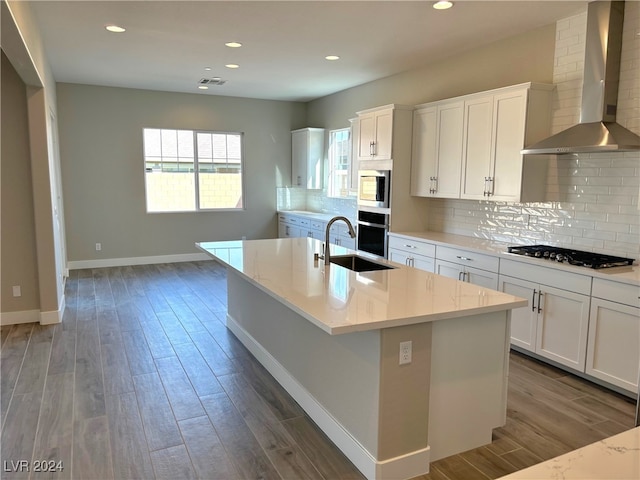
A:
x,y
405,352
98,247
17,292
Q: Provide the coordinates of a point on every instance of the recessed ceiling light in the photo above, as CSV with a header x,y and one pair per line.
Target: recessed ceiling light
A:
x,y
115,28
332,57
442,5
208,69
232,65
203,87
233,44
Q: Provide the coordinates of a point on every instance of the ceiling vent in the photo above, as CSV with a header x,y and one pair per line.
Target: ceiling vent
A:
x,y
212,81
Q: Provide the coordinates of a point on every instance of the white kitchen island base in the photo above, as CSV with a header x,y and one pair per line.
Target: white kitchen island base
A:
x,y
390,420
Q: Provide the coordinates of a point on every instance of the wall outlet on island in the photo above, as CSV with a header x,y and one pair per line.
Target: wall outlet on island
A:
x,y
405,352
98,247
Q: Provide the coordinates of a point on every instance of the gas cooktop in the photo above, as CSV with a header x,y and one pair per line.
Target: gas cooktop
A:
x,y
570,256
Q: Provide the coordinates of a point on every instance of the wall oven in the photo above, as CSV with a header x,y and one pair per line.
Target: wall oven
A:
x,y
373,188
372,232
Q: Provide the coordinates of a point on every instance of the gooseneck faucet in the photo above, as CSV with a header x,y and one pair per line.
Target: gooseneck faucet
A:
x,y
352,234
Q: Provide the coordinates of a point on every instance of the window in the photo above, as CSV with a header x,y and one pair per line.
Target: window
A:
x,y
339,152
187,171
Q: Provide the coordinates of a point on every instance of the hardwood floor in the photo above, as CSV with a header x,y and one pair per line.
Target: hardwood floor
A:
x,y
143,380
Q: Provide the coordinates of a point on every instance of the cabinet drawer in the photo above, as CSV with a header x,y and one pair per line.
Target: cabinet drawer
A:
x,y
317,225
300,221
412,246
553,277
616,292
467,258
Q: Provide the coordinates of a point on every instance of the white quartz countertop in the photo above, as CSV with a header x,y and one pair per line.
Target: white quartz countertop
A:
x,y
339,300
614,458
630,275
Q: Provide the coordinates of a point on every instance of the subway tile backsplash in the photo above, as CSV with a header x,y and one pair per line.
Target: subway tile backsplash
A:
x,y
295,198
593,205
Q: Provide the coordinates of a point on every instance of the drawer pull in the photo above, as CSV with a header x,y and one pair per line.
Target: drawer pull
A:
x,y
464,258
409,246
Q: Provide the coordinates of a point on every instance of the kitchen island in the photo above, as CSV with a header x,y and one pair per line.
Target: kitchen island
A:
x,y
332,337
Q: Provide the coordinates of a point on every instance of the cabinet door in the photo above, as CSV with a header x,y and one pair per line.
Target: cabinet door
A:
x,y
481,278
299,143
524,322
366,135
613,348
423,263
282,229
416,261
398,256
447,269
478,133
307,157
562,326
450,130
510,117
290,231
424,151
384,135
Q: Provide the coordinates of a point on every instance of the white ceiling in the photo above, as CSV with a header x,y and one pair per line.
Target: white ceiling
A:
x,y
168,44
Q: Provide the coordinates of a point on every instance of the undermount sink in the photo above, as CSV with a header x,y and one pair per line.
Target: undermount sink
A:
x,y
358,263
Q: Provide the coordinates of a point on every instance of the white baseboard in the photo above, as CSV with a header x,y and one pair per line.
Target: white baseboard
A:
x,y
34,316
123,262
405,466
54,316
14,318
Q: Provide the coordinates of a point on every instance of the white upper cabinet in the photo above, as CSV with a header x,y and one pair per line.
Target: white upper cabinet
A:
x,y
307,157
436,158
487,136
375,134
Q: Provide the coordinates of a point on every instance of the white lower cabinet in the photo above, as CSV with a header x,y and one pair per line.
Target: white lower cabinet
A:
x,y
291,225
613,347
555,323
471,267
412,252
286,229
476,276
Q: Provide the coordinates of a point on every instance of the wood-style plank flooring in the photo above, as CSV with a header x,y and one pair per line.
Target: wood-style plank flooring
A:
x,y
143,380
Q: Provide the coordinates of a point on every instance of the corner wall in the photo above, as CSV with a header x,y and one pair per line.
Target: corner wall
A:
x,y
18,248
23,46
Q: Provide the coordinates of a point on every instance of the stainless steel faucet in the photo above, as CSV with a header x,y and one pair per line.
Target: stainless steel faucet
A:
x,y
352,233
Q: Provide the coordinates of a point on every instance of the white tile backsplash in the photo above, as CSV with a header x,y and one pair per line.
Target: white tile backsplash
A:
x,y
592,198
294,198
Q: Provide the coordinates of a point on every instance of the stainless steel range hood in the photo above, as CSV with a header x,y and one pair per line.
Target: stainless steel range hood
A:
x,y
597,130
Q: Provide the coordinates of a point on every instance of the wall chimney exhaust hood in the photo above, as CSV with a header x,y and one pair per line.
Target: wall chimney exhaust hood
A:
x,y
597,130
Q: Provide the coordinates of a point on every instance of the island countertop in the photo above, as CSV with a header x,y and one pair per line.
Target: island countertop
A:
x,y
339,300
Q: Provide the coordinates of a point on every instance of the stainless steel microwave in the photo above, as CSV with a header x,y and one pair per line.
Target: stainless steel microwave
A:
x,y
374,188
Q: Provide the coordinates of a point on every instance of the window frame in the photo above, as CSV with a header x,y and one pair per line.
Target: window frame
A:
x,y
196,171
331,158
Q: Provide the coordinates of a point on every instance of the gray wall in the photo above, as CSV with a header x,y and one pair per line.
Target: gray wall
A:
x,y
18,252
523,58
103,175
